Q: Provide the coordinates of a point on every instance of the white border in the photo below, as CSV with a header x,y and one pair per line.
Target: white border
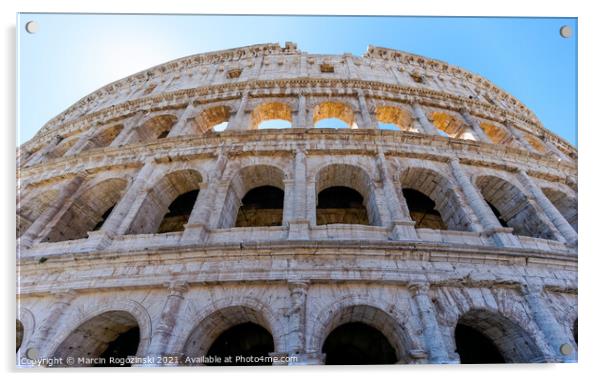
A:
x,y
590,125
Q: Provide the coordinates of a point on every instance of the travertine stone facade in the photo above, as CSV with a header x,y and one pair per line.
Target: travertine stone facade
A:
x,y
97,184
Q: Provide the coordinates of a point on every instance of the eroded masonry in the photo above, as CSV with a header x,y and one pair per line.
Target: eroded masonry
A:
x,y
207,207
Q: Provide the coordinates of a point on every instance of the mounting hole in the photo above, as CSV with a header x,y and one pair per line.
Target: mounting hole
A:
x,y
566,349
566,31
32,27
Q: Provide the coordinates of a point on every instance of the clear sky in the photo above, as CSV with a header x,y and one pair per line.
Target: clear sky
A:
x,y
72,55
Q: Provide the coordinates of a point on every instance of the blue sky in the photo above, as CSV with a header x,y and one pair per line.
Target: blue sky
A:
x,y
74,54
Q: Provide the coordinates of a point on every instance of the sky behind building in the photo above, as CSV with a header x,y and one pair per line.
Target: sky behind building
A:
x,y
72,55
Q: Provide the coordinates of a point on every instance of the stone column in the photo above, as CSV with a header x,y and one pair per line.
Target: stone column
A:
x,y
402,224
296,315
369,121
82,142
40,341
300,120
550,210
501,236
129,128
32,235
518,136
179,128
298,225
162,335
425,123
41,154
551,148
547,323
431,331
238,122
476,127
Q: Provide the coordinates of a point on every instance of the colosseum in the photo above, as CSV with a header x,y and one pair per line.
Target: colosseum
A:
x,y
267,206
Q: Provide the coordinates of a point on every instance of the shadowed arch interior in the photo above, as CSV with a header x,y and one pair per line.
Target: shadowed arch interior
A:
x,y
88,210
273,111
484,337
390,115
334,110
33,208
497,134
157,127
422,210
113,334
535,143
62,147
20,333
261,206
452,126
246,340
104,137
168,204
211,117
513,207
566,205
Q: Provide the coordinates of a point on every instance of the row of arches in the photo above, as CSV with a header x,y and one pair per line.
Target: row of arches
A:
x,y
256,197
355,335
278,115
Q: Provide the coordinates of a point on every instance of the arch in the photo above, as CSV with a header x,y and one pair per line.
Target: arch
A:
x,y
261,206
441,191
391,115
535,143
211,117
246,179
334,110
88,211
242,340
28,325
273,111
497,134
33,208
513,207
358,344
62,147
157,127
494,332
565,203
104,137
20,333
114,333
345,177
210,327
163,209
422,210
452,126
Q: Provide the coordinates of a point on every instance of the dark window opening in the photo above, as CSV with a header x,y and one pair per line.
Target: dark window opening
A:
x,y
163,134
261,206
358,344
341,205
247,339
422,210
126,344
103,219
476,348
179,212
498,215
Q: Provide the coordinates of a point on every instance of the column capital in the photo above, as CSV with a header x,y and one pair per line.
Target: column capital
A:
x,y
530,289
176,288
419,287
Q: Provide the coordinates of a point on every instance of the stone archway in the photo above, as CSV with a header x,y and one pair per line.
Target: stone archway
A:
x,y
333,112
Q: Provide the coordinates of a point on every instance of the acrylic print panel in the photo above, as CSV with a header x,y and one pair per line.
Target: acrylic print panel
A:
x,y
286,190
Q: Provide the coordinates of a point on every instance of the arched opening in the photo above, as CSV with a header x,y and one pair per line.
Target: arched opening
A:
x,y
344,195
179,212
214,118
62,147
438,189
88,212
341,205
334,115
512,207
103,138
20,334
32,209
452,127
358,344
498,215
535,143
575,334
255,197
394,118
108,339
422,210
261,206
168,205
483,336
496,134
246,340
273,115
566,205
155,128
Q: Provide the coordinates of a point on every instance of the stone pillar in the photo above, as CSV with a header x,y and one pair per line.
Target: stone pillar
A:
x,y
297,315
129,128
547,323
169,317
300,119
82,142
518,136
238,122
501,236
369,121
402,225
550,210
41,154
476,127
179,128
40,341
432,334
32,235
425,123
298,224
551,148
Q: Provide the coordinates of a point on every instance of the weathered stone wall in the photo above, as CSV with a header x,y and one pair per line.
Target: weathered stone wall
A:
x,y
96,182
